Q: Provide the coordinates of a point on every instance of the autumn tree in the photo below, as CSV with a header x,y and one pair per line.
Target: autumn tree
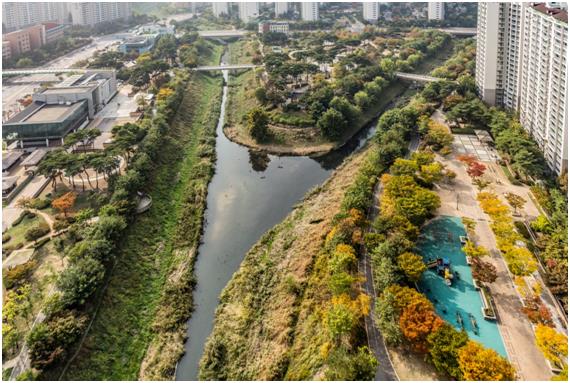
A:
x,y
412,265
474,251
417,322
476,169
479,363
553,344
481,184
64,203
484,271
515,200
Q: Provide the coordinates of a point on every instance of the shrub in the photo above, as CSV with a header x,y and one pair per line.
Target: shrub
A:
x,y
18,274
37,231
79,281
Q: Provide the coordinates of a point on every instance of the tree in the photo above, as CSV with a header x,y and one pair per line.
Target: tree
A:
x,y
516,201
553,344
474,251
257,120
476,169
404,167
386,318
412,265
520,261
479,363
79,280
332,123
438,135
431,173
481,183
484,271
385,271
340,320
417,322
444,345
541,224
261,95
362,99
64,203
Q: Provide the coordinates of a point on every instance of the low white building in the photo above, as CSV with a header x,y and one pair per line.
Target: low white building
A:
x,y
436,11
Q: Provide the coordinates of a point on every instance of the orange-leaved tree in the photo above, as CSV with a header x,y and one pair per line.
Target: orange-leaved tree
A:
x,y
64,203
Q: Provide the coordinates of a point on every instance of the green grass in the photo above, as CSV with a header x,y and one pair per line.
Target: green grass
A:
x,y
18,232
122,331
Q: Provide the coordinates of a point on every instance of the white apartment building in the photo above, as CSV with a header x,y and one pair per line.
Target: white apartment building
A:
x,y
543,81
436,11
16,15
370,11
309,11
219,9
98,12
521,65
281,8
248,11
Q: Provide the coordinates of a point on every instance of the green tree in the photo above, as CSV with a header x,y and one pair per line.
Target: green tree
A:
x,y
78,281
332,123
257,124
412,265
340,320
386,318
443,346
362,99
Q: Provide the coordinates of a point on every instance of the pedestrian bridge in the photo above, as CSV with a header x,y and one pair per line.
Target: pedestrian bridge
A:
x,y
225,67
223,33
460,31
417,77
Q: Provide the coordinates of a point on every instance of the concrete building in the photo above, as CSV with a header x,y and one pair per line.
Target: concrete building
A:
x,y
436,11
16,15
58,110
370,11
521,65
309,11
6,50
54,32
248,11
25,40
281,8
91,14
138,44
219,9
274,26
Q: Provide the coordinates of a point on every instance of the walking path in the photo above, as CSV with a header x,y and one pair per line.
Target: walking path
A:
x,y
385,370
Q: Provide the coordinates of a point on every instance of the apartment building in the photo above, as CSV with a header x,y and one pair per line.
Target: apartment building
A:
x,y
281,8
436,11
25,40
98,12
521,65
274,26
219,9
370,11
248,11
309,11
16,15
543,78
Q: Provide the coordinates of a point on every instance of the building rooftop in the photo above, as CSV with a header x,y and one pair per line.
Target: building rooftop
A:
x,y
66,90
557,13
39,112
34,158
8,183
10,158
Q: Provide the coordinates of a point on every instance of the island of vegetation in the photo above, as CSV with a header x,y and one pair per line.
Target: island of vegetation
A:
x,y
316,90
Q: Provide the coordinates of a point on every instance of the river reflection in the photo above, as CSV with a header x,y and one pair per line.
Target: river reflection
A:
x,y
249,193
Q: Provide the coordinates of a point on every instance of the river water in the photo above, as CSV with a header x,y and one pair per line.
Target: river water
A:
x,y
249,194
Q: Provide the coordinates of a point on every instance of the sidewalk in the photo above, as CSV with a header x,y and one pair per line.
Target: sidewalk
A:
x,y
459,199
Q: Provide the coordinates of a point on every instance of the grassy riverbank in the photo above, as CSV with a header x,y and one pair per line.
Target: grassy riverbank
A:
x,y
148,299
269,325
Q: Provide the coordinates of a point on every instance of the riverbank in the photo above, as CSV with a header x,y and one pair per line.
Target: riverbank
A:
x,y
265,326
148,299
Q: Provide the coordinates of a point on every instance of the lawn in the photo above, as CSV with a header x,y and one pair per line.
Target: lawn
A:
x,y
17,233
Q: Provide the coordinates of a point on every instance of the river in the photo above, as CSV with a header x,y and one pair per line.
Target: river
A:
x,y
249,194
